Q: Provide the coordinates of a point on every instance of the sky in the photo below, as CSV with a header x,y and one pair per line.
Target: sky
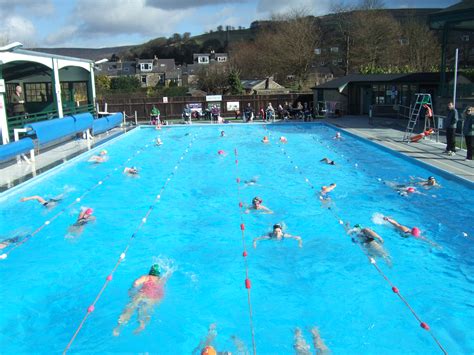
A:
x,y
107,23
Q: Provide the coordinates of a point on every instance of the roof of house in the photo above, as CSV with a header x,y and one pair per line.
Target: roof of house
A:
x,y
460,16
342,82
261,84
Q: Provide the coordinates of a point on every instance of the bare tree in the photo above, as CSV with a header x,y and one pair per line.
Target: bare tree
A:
x,y
213,79
371,4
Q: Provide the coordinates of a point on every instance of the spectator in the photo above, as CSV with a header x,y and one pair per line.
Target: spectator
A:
x,y
18,102
187,114
215,112
262,114
451,122
468,131
155,115
270,112
248,113
307,112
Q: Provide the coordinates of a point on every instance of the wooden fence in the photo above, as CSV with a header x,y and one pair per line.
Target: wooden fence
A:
x,y
175,105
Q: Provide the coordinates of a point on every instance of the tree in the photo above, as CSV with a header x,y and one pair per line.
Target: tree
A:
x,y
186,36
283,48
114,58
220,28
371,4
102,83
235,85
213,79
125,83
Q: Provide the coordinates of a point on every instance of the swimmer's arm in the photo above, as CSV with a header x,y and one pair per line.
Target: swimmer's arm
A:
x,y
298,238
263,237
266,209
37,198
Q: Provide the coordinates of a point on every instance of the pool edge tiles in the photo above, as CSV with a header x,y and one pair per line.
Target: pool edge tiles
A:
x,y
5,194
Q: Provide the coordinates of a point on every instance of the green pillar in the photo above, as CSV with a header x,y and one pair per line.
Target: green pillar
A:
x,y
444,45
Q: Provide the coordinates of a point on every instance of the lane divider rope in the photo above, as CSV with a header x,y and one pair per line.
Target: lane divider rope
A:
x,y
77,200
248,285
395,290
122,256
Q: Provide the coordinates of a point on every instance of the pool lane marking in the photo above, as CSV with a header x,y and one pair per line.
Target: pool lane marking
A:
x,y
423,325
122,256
77,200
244,253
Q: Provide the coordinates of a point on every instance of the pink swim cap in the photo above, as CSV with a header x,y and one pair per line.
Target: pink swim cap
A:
x,y
411,189
220,152
415,232
89,211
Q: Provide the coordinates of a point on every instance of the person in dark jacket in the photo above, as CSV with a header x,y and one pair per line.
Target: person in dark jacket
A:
x,y
451,122
468,131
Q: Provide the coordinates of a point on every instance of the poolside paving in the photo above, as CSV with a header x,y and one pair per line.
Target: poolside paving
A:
x,y
13,173
389,133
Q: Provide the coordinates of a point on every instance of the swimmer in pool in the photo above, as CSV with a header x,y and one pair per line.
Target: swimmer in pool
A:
x,y
337,136
277,234
133,171
84,217
328,161
428,183
252,181
158,141
12,241
222,134
402,189
50,202
302,347
283,140
406,232
370,241
146,292
265,140
102,157
257,206
324,194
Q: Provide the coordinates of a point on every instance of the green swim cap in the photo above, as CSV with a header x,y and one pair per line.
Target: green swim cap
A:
x,y
155,270
358,226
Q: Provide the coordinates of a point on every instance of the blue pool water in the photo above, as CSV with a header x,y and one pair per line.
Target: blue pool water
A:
x,y
49,281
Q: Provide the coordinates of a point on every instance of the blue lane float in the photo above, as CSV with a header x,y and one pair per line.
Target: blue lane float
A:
x,y
103,124
11,150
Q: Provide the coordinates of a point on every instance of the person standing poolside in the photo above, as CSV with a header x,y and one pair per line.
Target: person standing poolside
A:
x,y
51,202
257,206
468,131
450,124
18,102
370,240
148,291
277,234
155,115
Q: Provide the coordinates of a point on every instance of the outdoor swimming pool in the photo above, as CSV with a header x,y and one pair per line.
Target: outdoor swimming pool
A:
x,y
49,281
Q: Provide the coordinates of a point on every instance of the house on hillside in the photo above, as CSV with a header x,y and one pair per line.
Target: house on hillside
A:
x,y
263,87
209,58
150,72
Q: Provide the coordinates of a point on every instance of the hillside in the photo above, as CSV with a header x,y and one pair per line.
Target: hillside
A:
x,y
86,53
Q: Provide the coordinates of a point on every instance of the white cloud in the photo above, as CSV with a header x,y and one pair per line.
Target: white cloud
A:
x,y
185,4
316,7
97,21
17,28
26,7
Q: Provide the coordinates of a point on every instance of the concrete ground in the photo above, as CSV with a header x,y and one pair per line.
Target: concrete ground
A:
x,y
13,172
389,133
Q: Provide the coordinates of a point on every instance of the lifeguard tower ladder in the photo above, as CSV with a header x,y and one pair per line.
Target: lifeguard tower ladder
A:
x,y
421,99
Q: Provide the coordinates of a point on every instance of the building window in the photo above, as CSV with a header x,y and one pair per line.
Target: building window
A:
x,y
334,49
162,65
203,59
143,79
222,59
404,41
126,69
339,60
317,51
146,66
38,92
465,38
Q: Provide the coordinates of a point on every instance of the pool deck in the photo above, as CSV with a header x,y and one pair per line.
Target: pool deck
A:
x,y
389,133
13,173
384,131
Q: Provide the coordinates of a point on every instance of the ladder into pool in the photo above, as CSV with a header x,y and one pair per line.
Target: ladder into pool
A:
x,y
421,100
